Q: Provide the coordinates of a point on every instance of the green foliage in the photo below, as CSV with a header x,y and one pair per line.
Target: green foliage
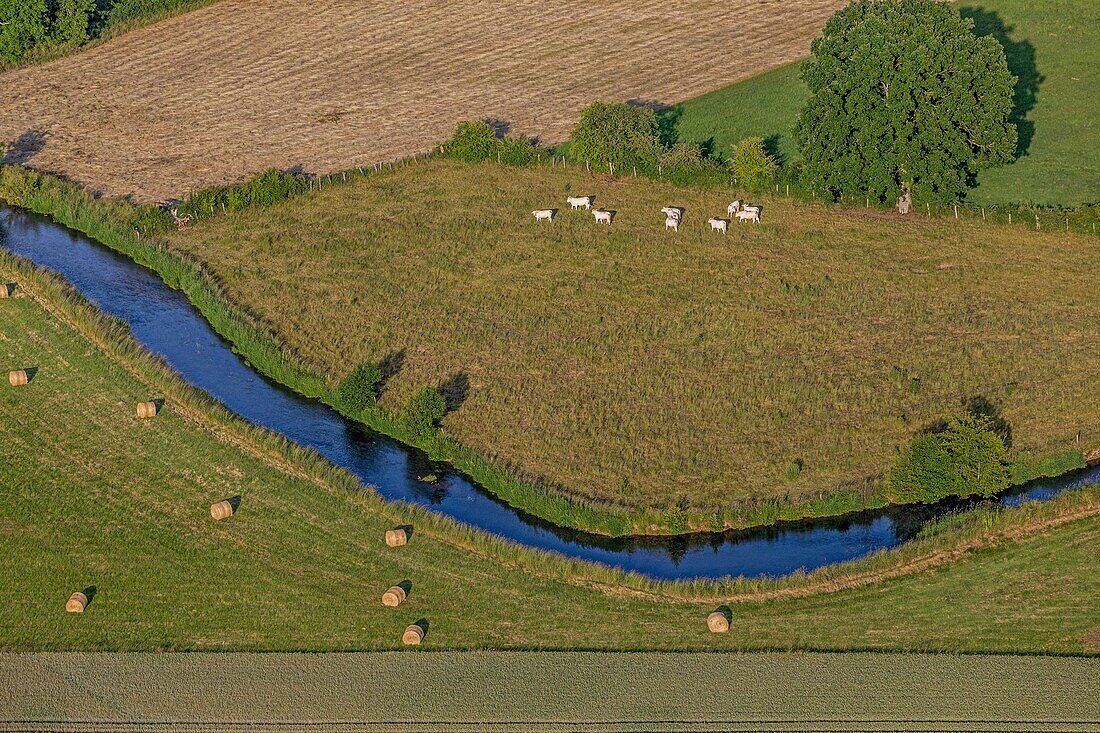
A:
x,y
359,389
71,21
477,141
24,24
473,142
751,164
267,188
516,151
965,457
904,96
616,135
424,409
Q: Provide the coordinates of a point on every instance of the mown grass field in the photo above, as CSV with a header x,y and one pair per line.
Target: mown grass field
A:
x,y
458,692
648,369
225,91
1049,45
91,496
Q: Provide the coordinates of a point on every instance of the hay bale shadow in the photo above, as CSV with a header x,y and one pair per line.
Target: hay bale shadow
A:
x,y
89,593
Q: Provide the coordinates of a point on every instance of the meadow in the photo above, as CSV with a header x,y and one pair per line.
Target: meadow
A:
x,y
1049,46
649,370
92,497
547,691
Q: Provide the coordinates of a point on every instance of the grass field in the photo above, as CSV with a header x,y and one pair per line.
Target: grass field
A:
x,y
242,85
632,366
90,496
1050,47
458,692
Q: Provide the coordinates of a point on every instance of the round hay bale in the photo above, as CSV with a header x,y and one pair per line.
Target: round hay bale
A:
x,y
18,377
718,622
221,510
413,635
396,537
77,603
6,290
394,596
146,409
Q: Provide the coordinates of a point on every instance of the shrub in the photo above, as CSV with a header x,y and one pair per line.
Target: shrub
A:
x,y
472,142
359,389
616,135
904,96
965,457
751,164
424,410
516,151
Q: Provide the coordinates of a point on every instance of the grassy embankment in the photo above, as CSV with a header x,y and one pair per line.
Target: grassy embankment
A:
x,y
773,367
1049,46
91,496
552,692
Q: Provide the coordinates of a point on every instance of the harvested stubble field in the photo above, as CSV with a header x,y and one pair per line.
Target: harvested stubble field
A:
x,y
461,692
647,369
91,496
224,91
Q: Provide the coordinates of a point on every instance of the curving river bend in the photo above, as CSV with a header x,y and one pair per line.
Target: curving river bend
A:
x,y
164,321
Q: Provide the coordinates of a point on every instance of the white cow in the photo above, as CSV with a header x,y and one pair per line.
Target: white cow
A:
x,y
673,211
543,215
673,223
718,225
578,202
753,216
602,215
755,209
733,208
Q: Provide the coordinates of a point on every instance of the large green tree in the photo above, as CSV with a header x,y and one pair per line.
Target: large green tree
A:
x,y
23,25
904,96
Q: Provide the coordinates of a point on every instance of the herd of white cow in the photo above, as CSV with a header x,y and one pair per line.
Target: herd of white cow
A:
x,y
674,215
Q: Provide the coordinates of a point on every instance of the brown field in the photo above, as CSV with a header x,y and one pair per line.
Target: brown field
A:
x,y
220,93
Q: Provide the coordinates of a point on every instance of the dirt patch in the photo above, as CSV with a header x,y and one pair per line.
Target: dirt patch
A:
x,y
1091,639
223,92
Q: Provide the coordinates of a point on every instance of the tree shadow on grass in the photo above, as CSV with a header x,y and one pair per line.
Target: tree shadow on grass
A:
x,y
24,147
390,365
1020,55
455,390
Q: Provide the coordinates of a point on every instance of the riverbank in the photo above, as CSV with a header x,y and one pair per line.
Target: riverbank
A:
x,y
266,351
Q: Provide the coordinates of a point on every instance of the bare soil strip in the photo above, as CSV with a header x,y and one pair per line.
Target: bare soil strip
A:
x,y
225,91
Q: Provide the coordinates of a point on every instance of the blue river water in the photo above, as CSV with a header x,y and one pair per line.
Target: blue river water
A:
x,y
165,322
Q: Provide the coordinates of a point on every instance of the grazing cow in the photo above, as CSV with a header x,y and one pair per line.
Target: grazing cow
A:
x,y
672,222
579,202
674,211
718,225
602,215
733,208
544,214
755,209
746,215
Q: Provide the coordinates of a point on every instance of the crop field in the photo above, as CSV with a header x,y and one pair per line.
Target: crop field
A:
x,y
648,369
1050,47
92,497
550,692
227,90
